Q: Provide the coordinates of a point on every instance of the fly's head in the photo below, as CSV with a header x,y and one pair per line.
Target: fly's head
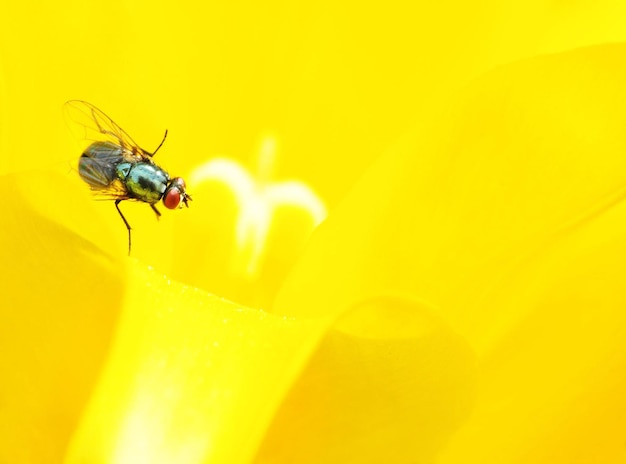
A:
x,y
175,194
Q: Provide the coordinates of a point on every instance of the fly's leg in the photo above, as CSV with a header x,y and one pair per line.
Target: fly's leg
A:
x,y
117,202
154,208
160,145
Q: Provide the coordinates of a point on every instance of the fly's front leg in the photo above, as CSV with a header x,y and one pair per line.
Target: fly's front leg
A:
x,y
154,208
117,202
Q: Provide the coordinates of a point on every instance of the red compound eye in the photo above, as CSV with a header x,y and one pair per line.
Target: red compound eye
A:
x,y
171,199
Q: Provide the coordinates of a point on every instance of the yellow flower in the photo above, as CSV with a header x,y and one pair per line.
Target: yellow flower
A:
x,y
463,303
246,230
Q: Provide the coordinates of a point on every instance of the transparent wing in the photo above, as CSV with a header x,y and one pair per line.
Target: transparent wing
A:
x,y
97,167
92,124
114,191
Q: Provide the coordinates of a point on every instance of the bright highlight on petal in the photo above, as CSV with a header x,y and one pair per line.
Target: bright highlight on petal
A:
x,y
191,378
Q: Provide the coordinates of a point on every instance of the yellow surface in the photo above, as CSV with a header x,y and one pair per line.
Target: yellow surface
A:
x,y
462,303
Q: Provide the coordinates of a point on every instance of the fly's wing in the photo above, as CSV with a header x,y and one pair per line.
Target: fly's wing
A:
x,y
97,167
93,124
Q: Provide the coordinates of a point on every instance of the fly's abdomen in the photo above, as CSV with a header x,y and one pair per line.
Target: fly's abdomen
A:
x,y
146,182
97,164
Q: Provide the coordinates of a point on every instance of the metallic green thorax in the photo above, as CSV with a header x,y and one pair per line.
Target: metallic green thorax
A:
x,y
143,181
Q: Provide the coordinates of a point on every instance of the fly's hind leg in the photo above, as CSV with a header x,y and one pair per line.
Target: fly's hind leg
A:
x,y
154,208
117,202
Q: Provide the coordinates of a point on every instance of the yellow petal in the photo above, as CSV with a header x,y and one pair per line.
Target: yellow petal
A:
x,y
505,216
391,383
477,231
130,366
60,300
192,378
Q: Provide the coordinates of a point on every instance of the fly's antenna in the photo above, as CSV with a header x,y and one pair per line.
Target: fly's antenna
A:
x,y
160,144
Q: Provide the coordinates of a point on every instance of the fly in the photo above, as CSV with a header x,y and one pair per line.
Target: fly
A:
x,y
115,167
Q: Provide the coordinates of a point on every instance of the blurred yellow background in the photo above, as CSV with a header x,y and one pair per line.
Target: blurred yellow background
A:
x,y
336,83
479,299
333,84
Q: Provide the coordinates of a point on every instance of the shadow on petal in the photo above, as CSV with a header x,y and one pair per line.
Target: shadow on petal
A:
x,y
391,383
60,300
